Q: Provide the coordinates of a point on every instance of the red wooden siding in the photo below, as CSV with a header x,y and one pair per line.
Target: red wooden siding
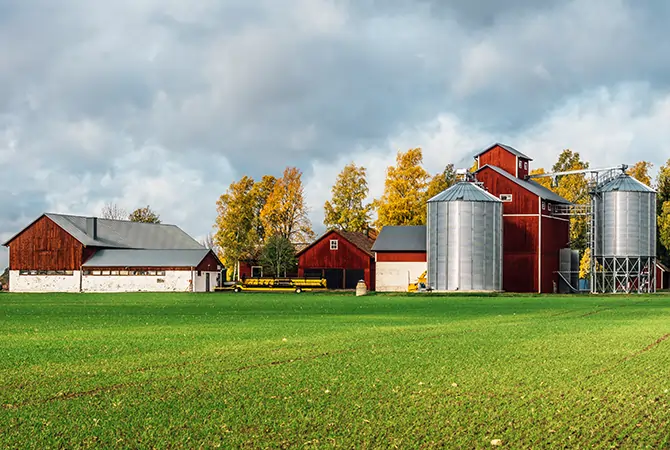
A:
x,y
524,169
45,246
209,263
347,256
499,157
555,236
401,256
520,240
523,201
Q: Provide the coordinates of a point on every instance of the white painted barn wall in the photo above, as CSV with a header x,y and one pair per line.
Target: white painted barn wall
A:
x,y
395,276
43,283
200,281
174,281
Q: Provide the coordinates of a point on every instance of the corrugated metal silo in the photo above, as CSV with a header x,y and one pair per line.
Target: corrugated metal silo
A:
x,y
464,240
625,236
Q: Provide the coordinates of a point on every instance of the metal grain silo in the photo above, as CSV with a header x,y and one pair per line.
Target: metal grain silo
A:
x,y
624,214
464,240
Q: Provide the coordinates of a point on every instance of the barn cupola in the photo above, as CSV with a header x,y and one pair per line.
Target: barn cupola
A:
x,y
505,157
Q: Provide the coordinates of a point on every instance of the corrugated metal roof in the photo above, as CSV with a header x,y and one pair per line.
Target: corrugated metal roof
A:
x,y
464,191
146,258
512,150
401,239
625,183
126,234
531,186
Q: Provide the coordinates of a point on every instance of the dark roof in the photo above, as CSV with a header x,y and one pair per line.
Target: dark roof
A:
x,y
146,258
410,238
123,233
530,185
625,183
663,267
512,150
358,239
464,191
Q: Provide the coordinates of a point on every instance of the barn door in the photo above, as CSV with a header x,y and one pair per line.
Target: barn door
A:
x,y
207,282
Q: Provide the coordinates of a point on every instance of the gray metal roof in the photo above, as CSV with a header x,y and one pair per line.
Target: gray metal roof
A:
x,y
531,186
401,239
464,191
146,258
512,150
126,234
625,183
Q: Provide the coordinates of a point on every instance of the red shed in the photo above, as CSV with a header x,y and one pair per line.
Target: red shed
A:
x,y
662,276
533,234
341,257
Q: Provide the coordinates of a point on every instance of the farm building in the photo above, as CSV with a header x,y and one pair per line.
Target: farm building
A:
x,y
533,231
662,276
66,253
343,258
400,257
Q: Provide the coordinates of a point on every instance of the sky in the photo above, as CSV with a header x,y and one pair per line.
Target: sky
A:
x,y
166,102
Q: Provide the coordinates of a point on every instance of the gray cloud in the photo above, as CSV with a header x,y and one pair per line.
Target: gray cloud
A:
x,y
164,102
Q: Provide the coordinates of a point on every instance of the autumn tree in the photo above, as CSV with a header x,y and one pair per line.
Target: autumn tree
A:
x,y
113,211
210,242
585,265
441,182
662,202
640,171
145,215
403,201
544,181
575,189
234,223
347,210
259,194
285,211
279,255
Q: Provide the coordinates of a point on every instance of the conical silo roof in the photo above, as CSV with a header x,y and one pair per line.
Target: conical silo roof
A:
x,y
464,191
625,183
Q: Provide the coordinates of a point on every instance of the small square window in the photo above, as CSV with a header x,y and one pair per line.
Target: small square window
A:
x,y
525,165
333,244
520,164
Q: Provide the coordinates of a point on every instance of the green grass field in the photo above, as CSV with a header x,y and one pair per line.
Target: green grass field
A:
x,y
323,371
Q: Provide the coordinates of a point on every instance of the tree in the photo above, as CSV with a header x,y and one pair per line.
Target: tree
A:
x,y
285,211
664,226
441,181
662,196
475,167
279,255
259,194
640,171
403,201
544,181
575,189
113,211
346,210
234,223
210,243
145,215
585,264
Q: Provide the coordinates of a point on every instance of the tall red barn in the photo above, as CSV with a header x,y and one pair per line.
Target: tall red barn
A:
x,y
533,233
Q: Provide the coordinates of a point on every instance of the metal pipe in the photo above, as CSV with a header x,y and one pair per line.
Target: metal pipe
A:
x,y
622,167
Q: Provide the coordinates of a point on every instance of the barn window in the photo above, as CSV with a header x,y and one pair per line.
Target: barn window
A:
x,y
549,207
256,272
544,206
333,244
115,272
525,165
506,197
160,273
520,164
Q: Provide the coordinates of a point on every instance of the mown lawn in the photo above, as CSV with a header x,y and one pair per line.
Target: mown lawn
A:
x,y
272,371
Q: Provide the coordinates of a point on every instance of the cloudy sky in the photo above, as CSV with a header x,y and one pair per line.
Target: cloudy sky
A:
x,y
165,102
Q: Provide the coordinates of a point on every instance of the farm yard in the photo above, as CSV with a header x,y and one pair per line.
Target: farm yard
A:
x,y
334,371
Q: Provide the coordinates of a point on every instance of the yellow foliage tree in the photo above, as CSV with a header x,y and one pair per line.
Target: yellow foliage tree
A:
x,y
664,225
544,181
575,189
441,181
475,167
403,201
346,210
640,171
234,223
662,197
285,211
259,194
585,264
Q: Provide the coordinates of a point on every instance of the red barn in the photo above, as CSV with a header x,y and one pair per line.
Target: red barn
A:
x,y
533,234
341,257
